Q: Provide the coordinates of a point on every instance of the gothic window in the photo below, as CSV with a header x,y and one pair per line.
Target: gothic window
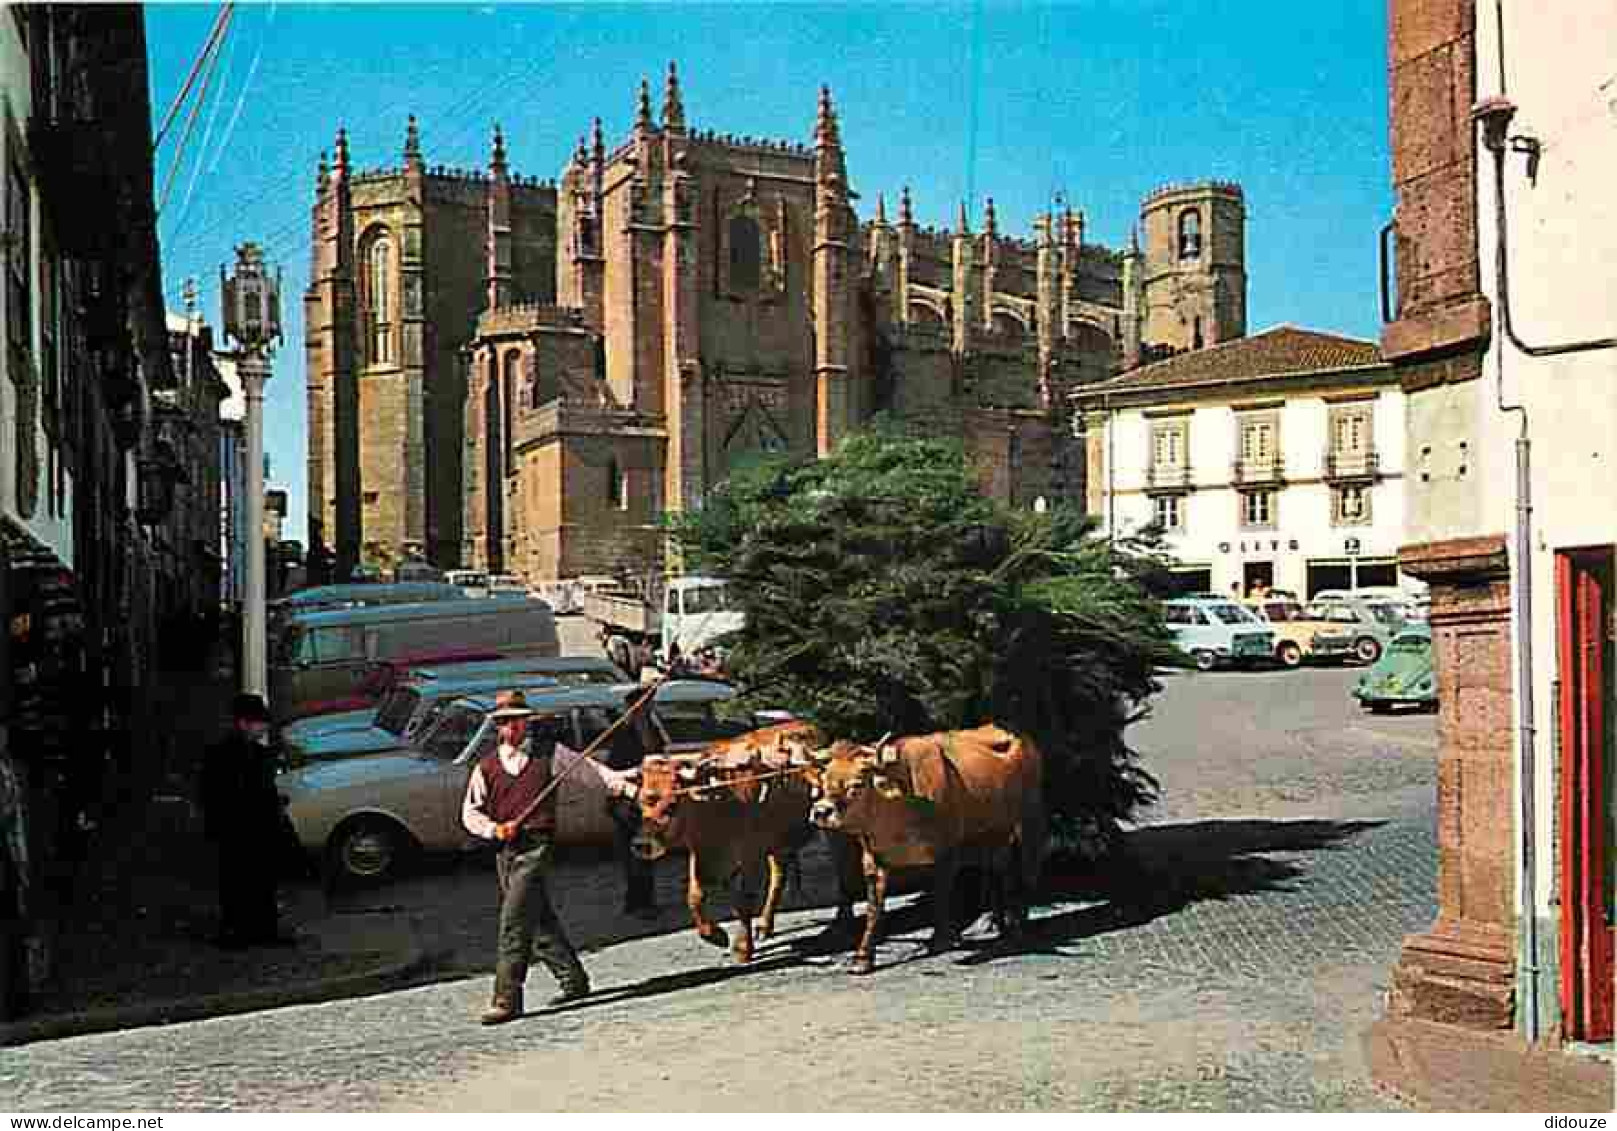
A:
x,y
746,254
508,407
1190,234
377,296
617,485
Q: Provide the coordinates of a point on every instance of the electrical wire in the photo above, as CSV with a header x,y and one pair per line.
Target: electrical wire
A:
x,y
191,118
196,65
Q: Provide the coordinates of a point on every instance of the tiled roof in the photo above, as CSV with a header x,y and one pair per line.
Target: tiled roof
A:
x,y
1284,351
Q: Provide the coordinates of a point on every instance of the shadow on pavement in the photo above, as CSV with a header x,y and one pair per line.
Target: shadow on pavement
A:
x,y
1166,868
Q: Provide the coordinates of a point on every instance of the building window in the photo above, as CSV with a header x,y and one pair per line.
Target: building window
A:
x,y
1258,440
1168,446
19,255
1258,509
746,254
1350,431
376,293
1168,511
1190,234
1350,505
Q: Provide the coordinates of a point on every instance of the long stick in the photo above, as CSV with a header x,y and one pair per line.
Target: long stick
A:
x,y
590,749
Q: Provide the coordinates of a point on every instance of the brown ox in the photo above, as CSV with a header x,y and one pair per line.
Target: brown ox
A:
x,y
740,833
926,801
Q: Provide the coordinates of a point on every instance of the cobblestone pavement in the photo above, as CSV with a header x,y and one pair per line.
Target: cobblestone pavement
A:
x,y
1292,852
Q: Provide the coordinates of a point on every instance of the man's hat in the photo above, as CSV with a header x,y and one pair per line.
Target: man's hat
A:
x,y
249,708
511,705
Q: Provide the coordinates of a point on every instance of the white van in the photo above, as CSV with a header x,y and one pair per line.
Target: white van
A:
x,y
323,656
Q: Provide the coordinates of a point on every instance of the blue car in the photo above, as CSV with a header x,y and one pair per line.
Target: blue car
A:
x,y
1216,632
1405,675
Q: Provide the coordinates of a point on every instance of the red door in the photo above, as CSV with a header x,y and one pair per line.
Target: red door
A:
x,y
1585,632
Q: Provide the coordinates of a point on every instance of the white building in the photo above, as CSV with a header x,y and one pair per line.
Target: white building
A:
x,y
1276,459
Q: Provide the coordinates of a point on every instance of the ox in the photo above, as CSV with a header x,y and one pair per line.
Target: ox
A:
x,y
927,801
740,833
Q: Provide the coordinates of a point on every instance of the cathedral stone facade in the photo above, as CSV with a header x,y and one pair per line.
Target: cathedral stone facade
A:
x,y
524,376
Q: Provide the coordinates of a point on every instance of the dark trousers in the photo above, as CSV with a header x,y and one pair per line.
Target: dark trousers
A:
x,y
639,887
247,911
529,928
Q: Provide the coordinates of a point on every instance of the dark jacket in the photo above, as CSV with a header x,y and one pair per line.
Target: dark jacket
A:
x,y
240,803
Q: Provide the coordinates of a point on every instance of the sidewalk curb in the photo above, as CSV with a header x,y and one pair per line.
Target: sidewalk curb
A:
x,y
391,976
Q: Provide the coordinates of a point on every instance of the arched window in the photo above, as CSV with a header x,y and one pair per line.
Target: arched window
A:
x,y
1190,234
746,254
508,407
377,296
617,485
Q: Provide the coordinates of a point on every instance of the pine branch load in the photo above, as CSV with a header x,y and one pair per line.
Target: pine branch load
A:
x,y
884,592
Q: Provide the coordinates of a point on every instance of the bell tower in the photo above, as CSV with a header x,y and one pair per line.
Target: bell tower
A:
x,y
1194,265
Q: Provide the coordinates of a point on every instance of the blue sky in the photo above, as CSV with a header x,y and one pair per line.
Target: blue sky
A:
x,y
1100,99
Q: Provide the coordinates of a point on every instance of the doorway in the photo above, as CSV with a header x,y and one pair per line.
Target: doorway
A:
x,y
1254,574
1584,646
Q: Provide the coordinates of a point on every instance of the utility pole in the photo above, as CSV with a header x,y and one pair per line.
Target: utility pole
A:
x,y
252,317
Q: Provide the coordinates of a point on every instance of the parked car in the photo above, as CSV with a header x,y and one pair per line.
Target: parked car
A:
x,y
1294,637
507,585
323,656
1349,629
366,816
410,707
473,582
414,701
382,677
1405,675
323,598
1214,632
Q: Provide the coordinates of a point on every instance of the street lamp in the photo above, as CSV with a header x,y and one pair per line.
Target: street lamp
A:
x,y
251,297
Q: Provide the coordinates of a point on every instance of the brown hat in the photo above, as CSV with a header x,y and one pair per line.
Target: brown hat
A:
x,y
511,705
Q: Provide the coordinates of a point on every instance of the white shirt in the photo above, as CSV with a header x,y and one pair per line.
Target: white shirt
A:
x,y
513,760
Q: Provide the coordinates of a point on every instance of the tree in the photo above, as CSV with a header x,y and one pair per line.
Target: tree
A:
x,y
884,592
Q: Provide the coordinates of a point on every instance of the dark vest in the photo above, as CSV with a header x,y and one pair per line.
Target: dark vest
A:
x,y
508,796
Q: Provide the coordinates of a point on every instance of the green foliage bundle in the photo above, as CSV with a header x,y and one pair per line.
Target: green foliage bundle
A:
x,y
884,592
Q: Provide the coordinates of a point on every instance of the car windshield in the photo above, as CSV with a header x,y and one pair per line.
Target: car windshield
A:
x,y
1387,614
708,599
1279,611
450,736
395,710
1233,614
586,677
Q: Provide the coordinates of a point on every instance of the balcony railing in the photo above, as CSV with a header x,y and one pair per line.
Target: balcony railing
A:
x,y
1168,477
1253,471
1352,465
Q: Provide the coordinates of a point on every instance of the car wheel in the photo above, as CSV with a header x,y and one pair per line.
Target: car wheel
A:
x,y
367,851
1289,654
1367,650
1205,660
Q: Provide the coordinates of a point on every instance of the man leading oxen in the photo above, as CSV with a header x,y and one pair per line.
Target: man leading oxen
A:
x,y
926,802
742,812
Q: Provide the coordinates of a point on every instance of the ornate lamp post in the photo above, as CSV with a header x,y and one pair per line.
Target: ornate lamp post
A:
x,y
251,297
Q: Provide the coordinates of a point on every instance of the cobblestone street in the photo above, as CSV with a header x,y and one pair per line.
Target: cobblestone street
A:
x,y
1292,852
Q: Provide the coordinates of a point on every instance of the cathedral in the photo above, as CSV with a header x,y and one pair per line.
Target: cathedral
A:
x,y
524,376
